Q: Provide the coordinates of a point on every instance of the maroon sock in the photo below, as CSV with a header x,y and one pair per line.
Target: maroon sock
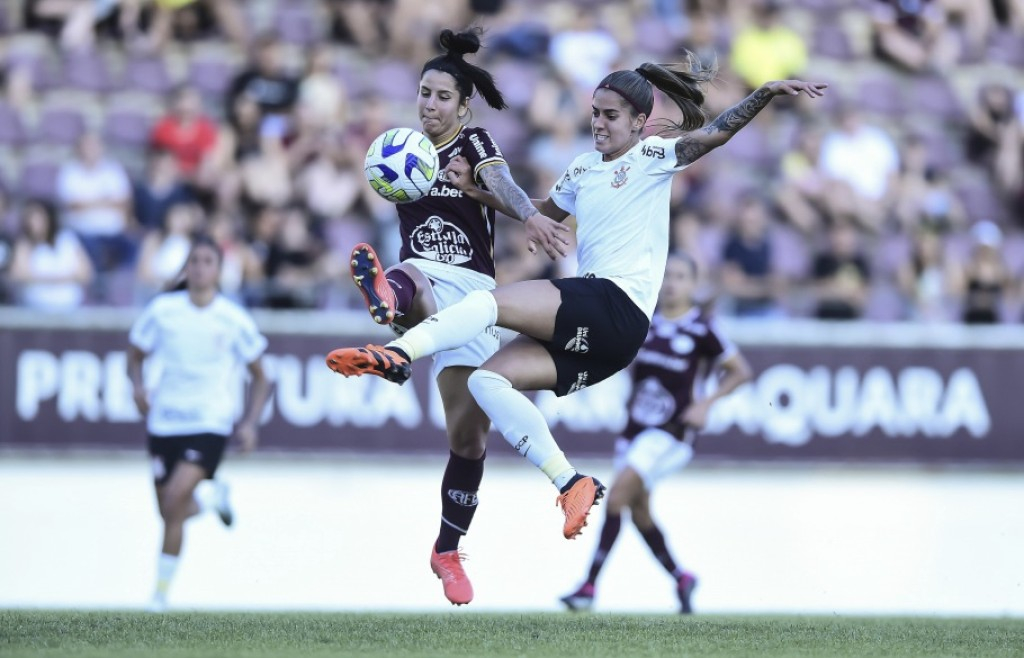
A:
x,y
459,488
656,541
609,533
404,289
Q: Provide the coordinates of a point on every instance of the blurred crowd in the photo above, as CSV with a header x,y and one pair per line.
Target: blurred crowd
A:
x,y
128,125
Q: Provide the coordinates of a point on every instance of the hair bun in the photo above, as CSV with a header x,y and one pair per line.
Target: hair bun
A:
x,y
460,44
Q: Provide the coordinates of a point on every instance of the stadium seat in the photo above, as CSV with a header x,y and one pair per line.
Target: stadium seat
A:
x,y
148,74
885,303
981,200
300,23
791,256
1007,47
934,95
881,93
128,126
12,128
831,40
88,71
60,125
517,80
38,179
395,81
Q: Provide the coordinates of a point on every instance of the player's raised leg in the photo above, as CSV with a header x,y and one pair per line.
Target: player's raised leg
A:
x,y
526,365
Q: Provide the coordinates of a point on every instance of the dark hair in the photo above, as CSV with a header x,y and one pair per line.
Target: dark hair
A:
x,y
680,82
49,212
180,281
686,258
467,76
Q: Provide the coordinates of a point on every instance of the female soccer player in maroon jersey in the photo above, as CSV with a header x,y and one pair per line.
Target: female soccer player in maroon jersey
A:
x,y
448,251
682,345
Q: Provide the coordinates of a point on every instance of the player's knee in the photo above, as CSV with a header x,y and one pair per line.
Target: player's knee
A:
x,y
484,382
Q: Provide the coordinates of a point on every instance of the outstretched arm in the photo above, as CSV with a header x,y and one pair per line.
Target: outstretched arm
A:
x,y
504,195
692,145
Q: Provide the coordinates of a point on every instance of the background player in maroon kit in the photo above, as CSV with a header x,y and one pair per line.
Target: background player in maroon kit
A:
x,y
448,251
683,345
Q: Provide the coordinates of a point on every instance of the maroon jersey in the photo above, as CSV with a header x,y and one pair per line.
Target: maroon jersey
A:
x,y
676,355
446,226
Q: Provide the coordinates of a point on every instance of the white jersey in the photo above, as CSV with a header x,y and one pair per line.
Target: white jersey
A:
x,y
199,352
622,216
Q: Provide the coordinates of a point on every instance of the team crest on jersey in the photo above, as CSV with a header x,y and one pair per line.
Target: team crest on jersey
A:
x,y
653,404
621,178
441,241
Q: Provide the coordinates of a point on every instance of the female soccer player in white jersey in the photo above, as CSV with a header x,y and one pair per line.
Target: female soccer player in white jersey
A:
x,y
578,331
683,345
199,339
447,252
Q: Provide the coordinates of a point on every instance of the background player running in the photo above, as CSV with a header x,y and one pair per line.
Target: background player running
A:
x,y
683,345
199,338
578,331
448,251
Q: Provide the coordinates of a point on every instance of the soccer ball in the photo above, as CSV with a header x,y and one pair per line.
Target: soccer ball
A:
x,y
401,165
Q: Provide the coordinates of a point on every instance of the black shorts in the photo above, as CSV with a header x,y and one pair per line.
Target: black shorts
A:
x,y
205,450
598,332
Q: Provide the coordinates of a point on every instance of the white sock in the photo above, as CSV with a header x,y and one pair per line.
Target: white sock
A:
x,y
165,568
521,423
451,327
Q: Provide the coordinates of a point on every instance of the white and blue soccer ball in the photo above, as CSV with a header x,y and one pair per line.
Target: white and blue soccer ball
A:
x,y
401,165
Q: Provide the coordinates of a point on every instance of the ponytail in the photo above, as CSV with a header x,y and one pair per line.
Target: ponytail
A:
x,y
682,83
467,76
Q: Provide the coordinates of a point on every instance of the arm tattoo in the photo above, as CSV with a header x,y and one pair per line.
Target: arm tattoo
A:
x,y
692,145
499,181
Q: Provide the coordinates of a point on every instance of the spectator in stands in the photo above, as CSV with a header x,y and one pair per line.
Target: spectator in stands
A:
x,y
191,20
330,184
747,273
95,196
161,188
75,21
266,176
165,249
914,35
990,119
861,162
238,138
584,51
185,132
49,267
361,23
293,263
841,275
926,279
801,192
923,196
241,270
20,90
266,81
766,48
984,282
322,98
1009,13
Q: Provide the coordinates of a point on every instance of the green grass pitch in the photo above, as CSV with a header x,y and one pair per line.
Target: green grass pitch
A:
x,y
30,633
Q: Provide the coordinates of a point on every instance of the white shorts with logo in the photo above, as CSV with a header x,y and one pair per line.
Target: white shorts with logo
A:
x,y
653,454
450,285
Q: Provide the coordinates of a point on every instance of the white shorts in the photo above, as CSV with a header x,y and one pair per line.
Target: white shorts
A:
x,y
653,454
450,285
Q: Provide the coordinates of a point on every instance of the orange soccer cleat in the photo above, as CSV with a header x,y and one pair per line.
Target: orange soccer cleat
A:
x,y
370,360
576,504
368,274
448,567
